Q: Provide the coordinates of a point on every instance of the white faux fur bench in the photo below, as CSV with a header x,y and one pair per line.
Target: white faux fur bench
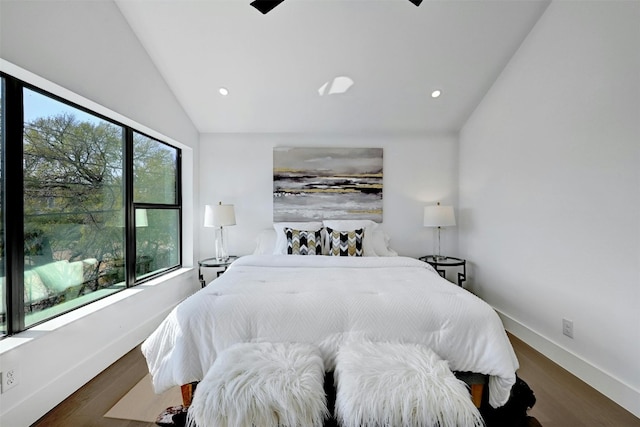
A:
x,y
399,385
263,385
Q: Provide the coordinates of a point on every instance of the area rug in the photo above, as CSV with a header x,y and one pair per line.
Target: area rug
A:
x,y
142,404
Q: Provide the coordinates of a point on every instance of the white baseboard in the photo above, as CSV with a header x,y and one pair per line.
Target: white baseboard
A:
x,y
616,390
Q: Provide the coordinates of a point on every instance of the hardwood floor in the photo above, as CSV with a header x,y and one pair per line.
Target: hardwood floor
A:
x,y
86,407
562,399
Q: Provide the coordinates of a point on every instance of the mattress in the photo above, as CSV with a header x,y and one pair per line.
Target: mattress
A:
x,y
327,301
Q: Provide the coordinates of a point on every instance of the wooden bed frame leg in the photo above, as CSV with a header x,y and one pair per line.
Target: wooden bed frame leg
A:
x,y
187,393
476,394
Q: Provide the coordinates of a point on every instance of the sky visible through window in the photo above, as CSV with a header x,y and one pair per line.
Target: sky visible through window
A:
x,y
40,106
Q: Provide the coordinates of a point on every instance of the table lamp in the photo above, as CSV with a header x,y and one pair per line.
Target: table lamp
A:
x,y
438,216
220,216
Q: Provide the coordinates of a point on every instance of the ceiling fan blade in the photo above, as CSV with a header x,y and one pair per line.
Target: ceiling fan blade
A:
x,y
265,6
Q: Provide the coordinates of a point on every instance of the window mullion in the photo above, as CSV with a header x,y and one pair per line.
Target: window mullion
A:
x,y
130,229
14,202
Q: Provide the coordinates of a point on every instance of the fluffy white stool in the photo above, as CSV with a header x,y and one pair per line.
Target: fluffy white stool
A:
x,y
393,384
262,385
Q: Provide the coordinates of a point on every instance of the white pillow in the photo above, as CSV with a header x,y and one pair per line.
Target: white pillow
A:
x,y
381,244
265,242
369,226
281,239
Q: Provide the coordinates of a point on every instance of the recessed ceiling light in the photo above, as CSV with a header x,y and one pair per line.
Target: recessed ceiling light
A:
x,y
436,93
223,91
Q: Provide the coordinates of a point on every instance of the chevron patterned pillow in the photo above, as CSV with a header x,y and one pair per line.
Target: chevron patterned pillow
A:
x,y
301,242
345,243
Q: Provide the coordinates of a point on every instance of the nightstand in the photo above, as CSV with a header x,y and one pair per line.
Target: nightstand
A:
x,y
213,263
441,263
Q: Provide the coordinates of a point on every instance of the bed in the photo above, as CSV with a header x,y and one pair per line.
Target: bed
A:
x,y
327,301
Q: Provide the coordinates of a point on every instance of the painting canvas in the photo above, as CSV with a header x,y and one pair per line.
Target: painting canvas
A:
x,y
327,183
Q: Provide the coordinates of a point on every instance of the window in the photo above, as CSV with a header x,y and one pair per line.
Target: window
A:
x,y
96,206
156,199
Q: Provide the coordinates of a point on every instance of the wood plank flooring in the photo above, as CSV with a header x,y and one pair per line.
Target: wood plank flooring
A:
x,y
562,399
86,407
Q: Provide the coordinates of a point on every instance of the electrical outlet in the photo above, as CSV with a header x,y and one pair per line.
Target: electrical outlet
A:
x,y
567,327
10,378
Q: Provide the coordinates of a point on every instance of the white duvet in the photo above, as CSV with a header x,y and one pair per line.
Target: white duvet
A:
x,y
327,301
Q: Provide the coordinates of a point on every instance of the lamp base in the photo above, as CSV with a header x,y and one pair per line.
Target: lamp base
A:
x,y
222,255
439,257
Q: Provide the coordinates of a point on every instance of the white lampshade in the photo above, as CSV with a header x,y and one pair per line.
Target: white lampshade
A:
x,y
439,216
141,218
118,218
219,215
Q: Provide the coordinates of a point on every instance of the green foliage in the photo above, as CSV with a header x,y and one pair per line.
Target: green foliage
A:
x,y
154,171
73,185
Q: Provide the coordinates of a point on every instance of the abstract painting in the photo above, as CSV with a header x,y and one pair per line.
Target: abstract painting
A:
x,y
327,183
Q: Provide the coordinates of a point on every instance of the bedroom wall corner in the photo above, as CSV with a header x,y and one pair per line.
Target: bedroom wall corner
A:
x,y
550,193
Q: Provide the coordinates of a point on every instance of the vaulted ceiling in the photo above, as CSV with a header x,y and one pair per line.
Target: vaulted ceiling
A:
x,y
274,65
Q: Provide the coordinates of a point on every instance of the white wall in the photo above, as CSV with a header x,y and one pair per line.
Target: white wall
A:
x,y
88,48
550,193
549,190
418,170
85,50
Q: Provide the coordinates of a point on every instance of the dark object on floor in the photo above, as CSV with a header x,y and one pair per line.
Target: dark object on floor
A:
x,y
174,416
532,422
514,412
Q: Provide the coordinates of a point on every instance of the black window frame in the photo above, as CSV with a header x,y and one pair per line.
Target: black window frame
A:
x,y
13,196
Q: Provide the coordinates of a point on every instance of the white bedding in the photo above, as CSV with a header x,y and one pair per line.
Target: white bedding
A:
x,y
326,301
